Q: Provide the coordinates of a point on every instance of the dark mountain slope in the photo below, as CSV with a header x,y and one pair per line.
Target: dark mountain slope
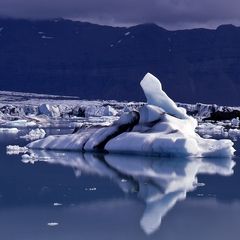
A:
x,y
91,61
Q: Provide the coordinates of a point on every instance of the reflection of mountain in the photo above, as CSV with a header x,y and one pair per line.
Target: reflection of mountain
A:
x,y
160,183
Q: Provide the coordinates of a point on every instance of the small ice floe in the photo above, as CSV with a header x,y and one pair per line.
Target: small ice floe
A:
x,y
234,133
235,122
9,130
21,123
15,149
209,129
35,134
109,111
99,111
200,195
52,224
127,33
90,189
57,204
49,110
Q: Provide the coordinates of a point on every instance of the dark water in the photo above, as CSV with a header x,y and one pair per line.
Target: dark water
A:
x,y
74,196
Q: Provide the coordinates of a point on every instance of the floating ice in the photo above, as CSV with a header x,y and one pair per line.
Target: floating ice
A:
x,y
57,204
233,133
52,224
9,130
49,110
90,189
235,122
15,149
96,111
158,128
210,129
21,123
35,134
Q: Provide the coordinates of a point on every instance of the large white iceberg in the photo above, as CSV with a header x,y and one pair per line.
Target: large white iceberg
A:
x,y
159,128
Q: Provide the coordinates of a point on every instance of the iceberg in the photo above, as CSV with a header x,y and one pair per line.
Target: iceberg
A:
x,y
96,111
152,88
48,110
9,130
15,149
34,134
159,128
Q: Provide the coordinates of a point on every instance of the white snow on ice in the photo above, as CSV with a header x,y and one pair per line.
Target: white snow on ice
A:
x,y
53,224
9,130
21,123
35,134
15,149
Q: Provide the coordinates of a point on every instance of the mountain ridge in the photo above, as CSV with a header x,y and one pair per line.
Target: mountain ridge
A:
x,y
103,62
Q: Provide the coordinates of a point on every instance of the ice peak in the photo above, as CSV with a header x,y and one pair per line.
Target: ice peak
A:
x,y
152,88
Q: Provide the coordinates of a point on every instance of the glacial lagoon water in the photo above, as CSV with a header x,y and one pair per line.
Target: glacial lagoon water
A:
x,y
70,196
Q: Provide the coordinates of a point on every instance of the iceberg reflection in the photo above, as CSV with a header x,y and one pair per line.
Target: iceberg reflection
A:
x,y
159,182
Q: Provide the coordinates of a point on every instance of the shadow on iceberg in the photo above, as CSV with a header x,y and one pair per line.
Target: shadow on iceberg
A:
x,y
159,182
158,128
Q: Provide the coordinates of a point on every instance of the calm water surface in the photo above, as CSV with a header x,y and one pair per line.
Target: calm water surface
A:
x,y
74,196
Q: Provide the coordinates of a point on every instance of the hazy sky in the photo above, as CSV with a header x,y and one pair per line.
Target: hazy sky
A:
x,y
172,14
